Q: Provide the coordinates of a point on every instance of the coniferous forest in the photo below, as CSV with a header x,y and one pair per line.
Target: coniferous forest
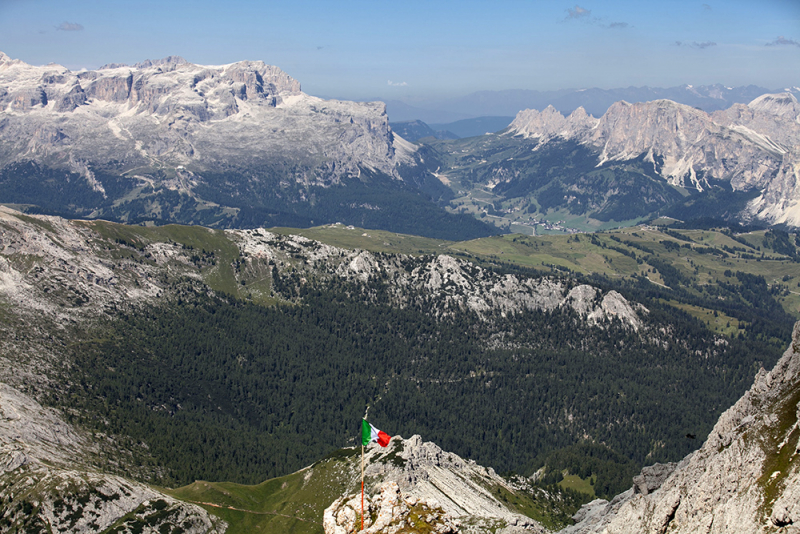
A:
x,y
222,389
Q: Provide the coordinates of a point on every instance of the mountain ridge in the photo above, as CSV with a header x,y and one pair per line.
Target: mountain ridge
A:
x,y
230,145
753,147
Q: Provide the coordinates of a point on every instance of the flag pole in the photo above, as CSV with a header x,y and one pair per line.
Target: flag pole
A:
x,y
362,486
363,422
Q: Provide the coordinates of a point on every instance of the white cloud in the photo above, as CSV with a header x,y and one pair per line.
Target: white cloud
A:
x,y
581,13
577,12
397,84
783,41
69,27
695,44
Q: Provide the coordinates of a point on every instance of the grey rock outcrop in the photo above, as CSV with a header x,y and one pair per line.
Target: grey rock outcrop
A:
x,y
652,477
457,284
744,479
49,482
752,147
394,512
463,493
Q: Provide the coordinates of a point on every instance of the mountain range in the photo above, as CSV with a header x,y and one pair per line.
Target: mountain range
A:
x,y
637,161
241,145
231,145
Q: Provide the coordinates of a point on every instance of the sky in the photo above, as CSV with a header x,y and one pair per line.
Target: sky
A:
x,y
411,49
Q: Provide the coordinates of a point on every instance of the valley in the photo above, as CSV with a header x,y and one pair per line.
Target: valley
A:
x,y
209,354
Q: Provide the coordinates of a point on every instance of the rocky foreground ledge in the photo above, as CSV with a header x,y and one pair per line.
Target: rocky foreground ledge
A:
x,y
50,481
390,511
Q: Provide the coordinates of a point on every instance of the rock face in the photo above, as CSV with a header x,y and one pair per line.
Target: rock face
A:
x,y
417,479
745,478
393,512
752,147
457,284
49,481
170,140
171,112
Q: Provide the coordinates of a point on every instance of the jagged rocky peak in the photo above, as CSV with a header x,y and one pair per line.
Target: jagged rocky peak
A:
x,y
170,62
755,146
744,479
550,123
661,124
4,60
146,85
579,116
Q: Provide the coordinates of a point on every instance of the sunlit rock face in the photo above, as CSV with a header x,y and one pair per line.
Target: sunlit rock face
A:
x,y
393,512
749,147
413,486
169,113
744,479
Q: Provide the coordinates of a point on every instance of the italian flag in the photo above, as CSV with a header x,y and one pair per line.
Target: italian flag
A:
x,y
369,434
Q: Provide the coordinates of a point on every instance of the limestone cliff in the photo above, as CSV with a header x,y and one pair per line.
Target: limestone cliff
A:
x,y
170,113
744,479
750,147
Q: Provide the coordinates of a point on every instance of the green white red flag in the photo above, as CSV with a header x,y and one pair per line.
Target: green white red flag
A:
x,y
369,434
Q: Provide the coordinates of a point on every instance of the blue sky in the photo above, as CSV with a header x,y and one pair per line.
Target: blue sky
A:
x,y
406,49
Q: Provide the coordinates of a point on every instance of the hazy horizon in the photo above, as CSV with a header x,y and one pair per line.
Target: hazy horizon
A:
x,y
422,50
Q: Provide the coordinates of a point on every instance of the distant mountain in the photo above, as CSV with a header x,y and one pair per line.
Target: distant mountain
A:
x,y
225,146
636,161
476,126
400,111
754,147
595,101
414,130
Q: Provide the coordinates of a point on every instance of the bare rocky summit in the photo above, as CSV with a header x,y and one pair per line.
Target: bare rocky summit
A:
x,y
750,147
440,489
744,479
394,511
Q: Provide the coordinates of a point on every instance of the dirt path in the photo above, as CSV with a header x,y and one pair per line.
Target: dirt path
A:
x,y
253,511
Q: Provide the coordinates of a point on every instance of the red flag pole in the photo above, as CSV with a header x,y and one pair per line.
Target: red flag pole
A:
x,y
362,486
